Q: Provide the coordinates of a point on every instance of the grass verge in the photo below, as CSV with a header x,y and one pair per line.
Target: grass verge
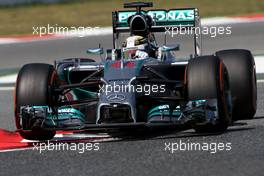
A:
x,y
8,71
20,19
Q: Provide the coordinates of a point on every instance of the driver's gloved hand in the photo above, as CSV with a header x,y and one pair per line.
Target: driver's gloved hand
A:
x,y
141,55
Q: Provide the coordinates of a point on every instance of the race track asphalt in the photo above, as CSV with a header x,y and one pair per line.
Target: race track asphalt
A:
x,y
146,155
246,36
143,154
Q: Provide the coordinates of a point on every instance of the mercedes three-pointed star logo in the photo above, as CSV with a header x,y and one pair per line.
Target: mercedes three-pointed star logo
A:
x,y
115,97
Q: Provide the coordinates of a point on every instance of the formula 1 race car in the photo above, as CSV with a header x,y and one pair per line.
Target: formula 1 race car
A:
x,y
138,83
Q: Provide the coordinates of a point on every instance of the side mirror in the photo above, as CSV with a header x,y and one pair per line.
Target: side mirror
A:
x,y
164,52
167,48
96,51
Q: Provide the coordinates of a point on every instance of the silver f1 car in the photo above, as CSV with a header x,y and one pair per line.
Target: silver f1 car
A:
x,y
138,83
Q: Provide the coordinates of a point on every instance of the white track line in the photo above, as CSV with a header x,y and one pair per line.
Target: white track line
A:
x,y
107,139
7,88
259,61
75,136
227,20
16,149
8,79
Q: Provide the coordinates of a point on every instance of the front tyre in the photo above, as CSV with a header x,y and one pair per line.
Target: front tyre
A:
x,y
33,88
207,78
242,73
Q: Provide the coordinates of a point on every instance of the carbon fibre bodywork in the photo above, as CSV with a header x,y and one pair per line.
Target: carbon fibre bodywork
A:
x,y
125,106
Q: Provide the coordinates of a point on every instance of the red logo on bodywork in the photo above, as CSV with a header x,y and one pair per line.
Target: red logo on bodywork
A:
x,y
129,64
116,64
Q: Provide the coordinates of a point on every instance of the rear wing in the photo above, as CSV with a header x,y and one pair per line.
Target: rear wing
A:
x,y
186,17
164,20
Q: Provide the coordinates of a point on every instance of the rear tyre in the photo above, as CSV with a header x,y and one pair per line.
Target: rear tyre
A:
x,y
33,88
207,78
241,68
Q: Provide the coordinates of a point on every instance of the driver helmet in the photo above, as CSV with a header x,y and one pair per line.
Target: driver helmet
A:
x,y
135,47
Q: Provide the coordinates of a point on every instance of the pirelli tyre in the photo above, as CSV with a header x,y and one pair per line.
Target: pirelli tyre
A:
x,y
207,78
33,88
242,76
